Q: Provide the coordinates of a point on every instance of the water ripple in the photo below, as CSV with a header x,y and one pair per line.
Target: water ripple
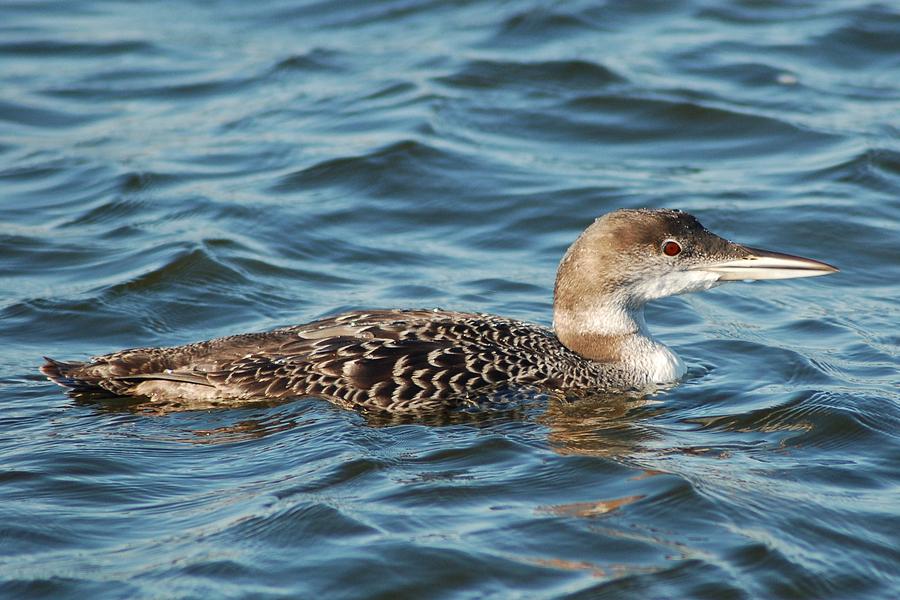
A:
x,y
178,171
552,76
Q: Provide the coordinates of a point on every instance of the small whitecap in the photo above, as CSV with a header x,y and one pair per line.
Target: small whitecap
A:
x,y
787,79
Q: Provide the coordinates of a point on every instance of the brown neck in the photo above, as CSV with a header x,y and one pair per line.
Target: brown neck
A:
x,y
592,313
600,332
599,348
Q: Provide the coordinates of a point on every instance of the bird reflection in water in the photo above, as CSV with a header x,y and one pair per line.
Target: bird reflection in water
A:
x,y
602,425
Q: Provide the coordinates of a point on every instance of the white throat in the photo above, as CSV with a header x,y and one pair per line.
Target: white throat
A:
x,y
646,355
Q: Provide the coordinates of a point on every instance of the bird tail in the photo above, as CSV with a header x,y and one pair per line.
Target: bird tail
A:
x,y
71,375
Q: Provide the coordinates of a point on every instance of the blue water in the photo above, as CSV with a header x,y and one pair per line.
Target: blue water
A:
x,y
175,171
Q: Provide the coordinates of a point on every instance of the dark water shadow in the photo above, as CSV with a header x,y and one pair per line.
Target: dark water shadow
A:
x,y
596,424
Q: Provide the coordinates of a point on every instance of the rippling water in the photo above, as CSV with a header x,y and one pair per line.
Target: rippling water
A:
x,y
173,171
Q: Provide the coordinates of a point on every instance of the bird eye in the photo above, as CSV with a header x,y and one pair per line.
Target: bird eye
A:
x,y
671,248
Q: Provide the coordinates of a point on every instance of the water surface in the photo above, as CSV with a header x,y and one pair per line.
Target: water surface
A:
x,y
174,171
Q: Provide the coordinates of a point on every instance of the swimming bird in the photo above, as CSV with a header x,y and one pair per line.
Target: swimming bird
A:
x,y
417,360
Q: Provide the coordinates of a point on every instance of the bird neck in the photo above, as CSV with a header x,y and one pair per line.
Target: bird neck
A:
x,y
600,329
612,331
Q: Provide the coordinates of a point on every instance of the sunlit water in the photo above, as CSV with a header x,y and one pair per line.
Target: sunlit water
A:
x,y
174,171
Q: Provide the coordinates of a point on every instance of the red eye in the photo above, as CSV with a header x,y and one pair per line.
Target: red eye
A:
x,y
671,248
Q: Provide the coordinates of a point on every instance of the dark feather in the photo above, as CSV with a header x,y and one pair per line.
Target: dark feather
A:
x,y
386,360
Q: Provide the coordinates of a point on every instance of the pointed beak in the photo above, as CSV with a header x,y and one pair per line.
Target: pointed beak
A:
x,y
763,264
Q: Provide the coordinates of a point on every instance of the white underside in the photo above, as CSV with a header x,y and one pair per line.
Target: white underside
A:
x,y
649,357
654,361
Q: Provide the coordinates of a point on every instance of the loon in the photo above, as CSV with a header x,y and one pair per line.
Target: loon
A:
x,y
419,360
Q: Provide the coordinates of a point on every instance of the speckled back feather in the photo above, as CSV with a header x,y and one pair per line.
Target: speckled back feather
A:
x,y
393,360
